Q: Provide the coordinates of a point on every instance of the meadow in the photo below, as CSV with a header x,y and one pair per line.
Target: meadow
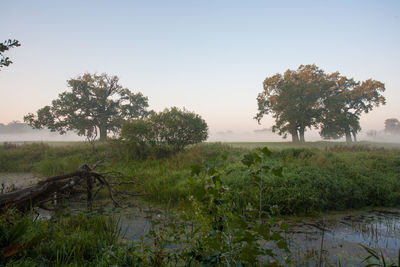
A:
x,y
245,184
317,177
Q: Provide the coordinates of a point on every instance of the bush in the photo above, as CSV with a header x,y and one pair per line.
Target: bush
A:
x,y
162,133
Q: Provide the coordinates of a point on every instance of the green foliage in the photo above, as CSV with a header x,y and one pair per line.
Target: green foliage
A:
x,y
335,177
343,104
378,258
48,160
168,131
5,46
230,204
313,181
97,104
216,233
309,98
234,237
18,235
74,240
293,100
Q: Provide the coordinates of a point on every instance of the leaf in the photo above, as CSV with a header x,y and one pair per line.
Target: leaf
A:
x,y
196,169
256,157
371,252
276,236
248,160
282,245
277,171
265,151
284,227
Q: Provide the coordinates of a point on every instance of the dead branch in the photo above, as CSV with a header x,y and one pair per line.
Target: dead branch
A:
x,y
64,186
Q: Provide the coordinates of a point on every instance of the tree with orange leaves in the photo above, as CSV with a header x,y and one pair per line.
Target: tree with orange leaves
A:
x,y
344,102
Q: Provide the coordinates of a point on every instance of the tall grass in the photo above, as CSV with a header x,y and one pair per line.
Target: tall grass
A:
x,y
77,240
334,178
48,160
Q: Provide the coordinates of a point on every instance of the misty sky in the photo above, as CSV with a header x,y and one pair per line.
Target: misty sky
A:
x,y
208,56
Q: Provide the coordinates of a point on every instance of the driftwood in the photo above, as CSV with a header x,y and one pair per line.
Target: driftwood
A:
x,y
62,186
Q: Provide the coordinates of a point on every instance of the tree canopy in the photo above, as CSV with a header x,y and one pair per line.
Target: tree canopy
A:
x,y
5,46
172,129
96,104
293,100
308,97
344,102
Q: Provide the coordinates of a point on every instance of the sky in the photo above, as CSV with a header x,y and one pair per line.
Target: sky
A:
x,y
210,57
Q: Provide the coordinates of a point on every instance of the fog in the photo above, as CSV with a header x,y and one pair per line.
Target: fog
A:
x,y
40,135
264,135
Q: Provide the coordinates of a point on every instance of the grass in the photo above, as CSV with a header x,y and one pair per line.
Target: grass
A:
x,y
46,159
313,180
316,177
318,145
75,240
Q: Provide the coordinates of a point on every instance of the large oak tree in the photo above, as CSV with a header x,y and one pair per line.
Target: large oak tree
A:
x,y
344,102
96,104
293,99
308,97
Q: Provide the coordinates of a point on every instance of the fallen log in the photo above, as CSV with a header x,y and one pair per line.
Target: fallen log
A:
x,y
56,187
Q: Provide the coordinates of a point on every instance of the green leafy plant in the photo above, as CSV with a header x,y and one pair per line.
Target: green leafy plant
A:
x,y
378,257
163,133
17,236
233,238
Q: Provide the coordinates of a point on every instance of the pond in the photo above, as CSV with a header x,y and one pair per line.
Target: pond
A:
x,y
330,237
342,233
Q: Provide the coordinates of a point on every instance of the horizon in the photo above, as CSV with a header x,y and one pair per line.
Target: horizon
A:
x,y
210,58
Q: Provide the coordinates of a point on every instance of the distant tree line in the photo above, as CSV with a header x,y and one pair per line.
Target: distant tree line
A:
x,y
15,127
310,98
392,126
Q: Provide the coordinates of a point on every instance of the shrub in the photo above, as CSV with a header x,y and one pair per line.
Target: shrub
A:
x,y
168,131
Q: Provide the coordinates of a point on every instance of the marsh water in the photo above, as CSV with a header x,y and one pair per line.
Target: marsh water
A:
x,y
334,236
338,236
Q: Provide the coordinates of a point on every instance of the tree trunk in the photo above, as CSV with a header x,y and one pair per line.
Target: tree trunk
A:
x,y
103,133
295,136
302,139
354,136
348,135
62,186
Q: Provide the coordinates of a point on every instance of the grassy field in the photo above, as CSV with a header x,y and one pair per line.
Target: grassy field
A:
x,y
317,145
231,188
317,176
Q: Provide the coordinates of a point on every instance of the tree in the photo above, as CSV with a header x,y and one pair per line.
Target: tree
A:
x,y
293,100
180,128
392,126
5,46
344,102
97,103
172,128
